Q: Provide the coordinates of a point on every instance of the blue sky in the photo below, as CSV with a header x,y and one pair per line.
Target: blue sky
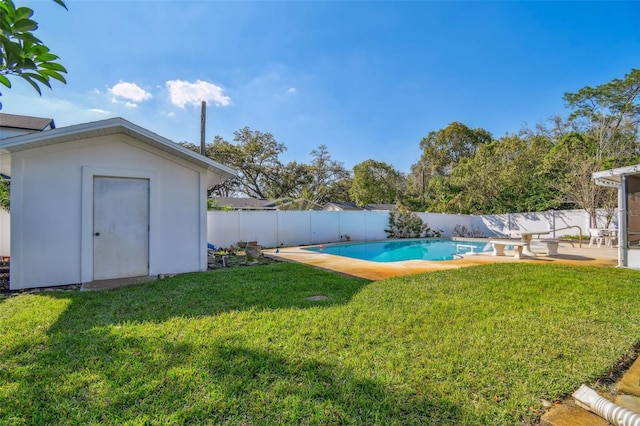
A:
x,y
366,79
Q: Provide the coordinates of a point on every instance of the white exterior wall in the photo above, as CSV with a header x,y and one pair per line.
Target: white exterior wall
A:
x,y
5,233
52,202
633,258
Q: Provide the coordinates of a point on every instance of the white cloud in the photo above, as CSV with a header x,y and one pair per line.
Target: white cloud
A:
x,y
130,93
185,93
291,90
98,111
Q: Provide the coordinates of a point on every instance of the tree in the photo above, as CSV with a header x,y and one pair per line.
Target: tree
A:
x,y
375,182
610,114
406,224
255,155
321,181
608,117
327,179
568,168
504,176
442,150
22,54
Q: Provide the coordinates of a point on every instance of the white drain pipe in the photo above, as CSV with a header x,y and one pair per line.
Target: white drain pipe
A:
x,y
606,409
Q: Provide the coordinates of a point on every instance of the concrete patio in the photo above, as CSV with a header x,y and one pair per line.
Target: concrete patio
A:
x,y
569,253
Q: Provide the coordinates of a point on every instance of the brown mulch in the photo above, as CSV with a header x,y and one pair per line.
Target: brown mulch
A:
x,y
4,276
238,260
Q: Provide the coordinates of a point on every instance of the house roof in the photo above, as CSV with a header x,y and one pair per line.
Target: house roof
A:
x,y
380,206
25,122
114,126
346,206
244,203
248,203
338,205
613,177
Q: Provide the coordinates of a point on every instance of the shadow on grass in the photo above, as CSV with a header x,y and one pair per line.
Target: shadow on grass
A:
x,y
118,380
277,286
103,362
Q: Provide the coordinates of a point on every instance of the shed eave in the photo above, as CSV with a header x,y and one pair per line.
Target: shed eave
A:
x,y
613,177
108,127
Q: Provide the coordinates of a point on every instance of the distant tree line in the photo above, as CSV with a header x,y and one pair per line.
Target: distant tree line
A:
x,y
462,170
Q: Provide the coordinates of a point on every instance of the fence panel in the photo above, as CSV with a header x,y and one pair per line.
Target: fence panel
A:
x,y
325,227
374,225
445,223
294,229
290,228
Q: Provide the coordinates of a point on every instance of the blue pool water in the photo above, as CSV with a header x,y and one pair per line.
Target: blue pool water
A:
x,y
397,250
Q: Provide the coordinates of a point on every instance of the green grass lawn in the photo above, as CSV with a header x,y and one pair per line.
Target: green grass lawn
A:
x,y
472,346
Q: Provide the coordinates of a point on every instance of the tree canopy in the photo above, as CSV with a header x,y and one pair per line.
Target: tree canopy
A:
x,y
375,182
463,170
24,55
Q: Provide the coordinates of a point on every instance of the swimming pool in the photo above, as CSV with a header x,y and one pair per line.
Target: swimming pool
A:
x,y
398,250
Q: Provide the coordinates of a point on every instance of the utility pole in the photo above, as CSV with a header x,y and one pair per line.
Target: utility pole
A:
x,y
203,122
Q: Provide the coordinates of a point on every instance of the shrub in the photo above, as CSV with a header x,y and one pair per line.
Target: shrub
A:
x,y
462,231
406,224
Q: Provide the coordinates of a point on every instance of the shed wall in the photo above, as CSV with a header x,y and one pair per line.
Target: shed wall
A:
x,y
52,218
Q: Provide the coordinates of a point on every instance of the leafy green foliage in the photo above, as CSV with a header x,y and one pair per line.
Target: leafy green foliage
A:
x,y
442,150
406,224
262,175
610,114
5,193
472,346
22,54
463,171
375,182
321,181
215,205
255,155
504,176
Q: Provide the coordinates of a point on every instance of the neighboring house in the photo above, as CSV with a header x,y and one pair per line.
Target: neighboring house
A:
x,y
239,203
249,203
14,125
348,206
105,200
341,207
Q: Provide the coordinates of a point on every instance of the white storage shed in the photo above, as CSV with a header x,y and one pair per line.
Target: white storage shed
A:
x,y
105,200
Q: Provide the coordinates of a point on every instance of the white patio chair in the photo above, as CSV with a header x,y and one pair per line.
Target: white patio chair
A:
x,y
597,236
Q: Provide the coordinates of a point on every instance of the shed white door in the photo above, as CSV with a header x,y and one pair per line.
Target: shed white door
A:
x,y
120,227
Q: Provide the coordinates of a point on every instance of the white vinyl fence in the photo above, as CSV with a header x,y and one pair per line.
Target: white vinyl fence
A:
x,y
291,228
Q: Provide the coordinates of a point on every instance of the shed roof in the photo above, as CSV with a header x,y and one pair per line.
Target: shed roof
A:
x,y
613,177
114,126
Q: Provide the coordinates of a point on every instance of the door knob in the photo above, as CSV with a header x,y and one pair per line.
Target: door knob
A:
x,y
97,234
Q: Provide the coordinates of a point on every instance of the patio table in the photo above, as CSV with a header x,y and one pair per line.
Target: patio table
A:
x,y
526,235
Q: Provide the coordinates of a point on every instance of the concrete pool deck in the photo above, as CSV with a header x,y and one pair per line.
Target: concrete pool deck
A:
x,y
569,253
